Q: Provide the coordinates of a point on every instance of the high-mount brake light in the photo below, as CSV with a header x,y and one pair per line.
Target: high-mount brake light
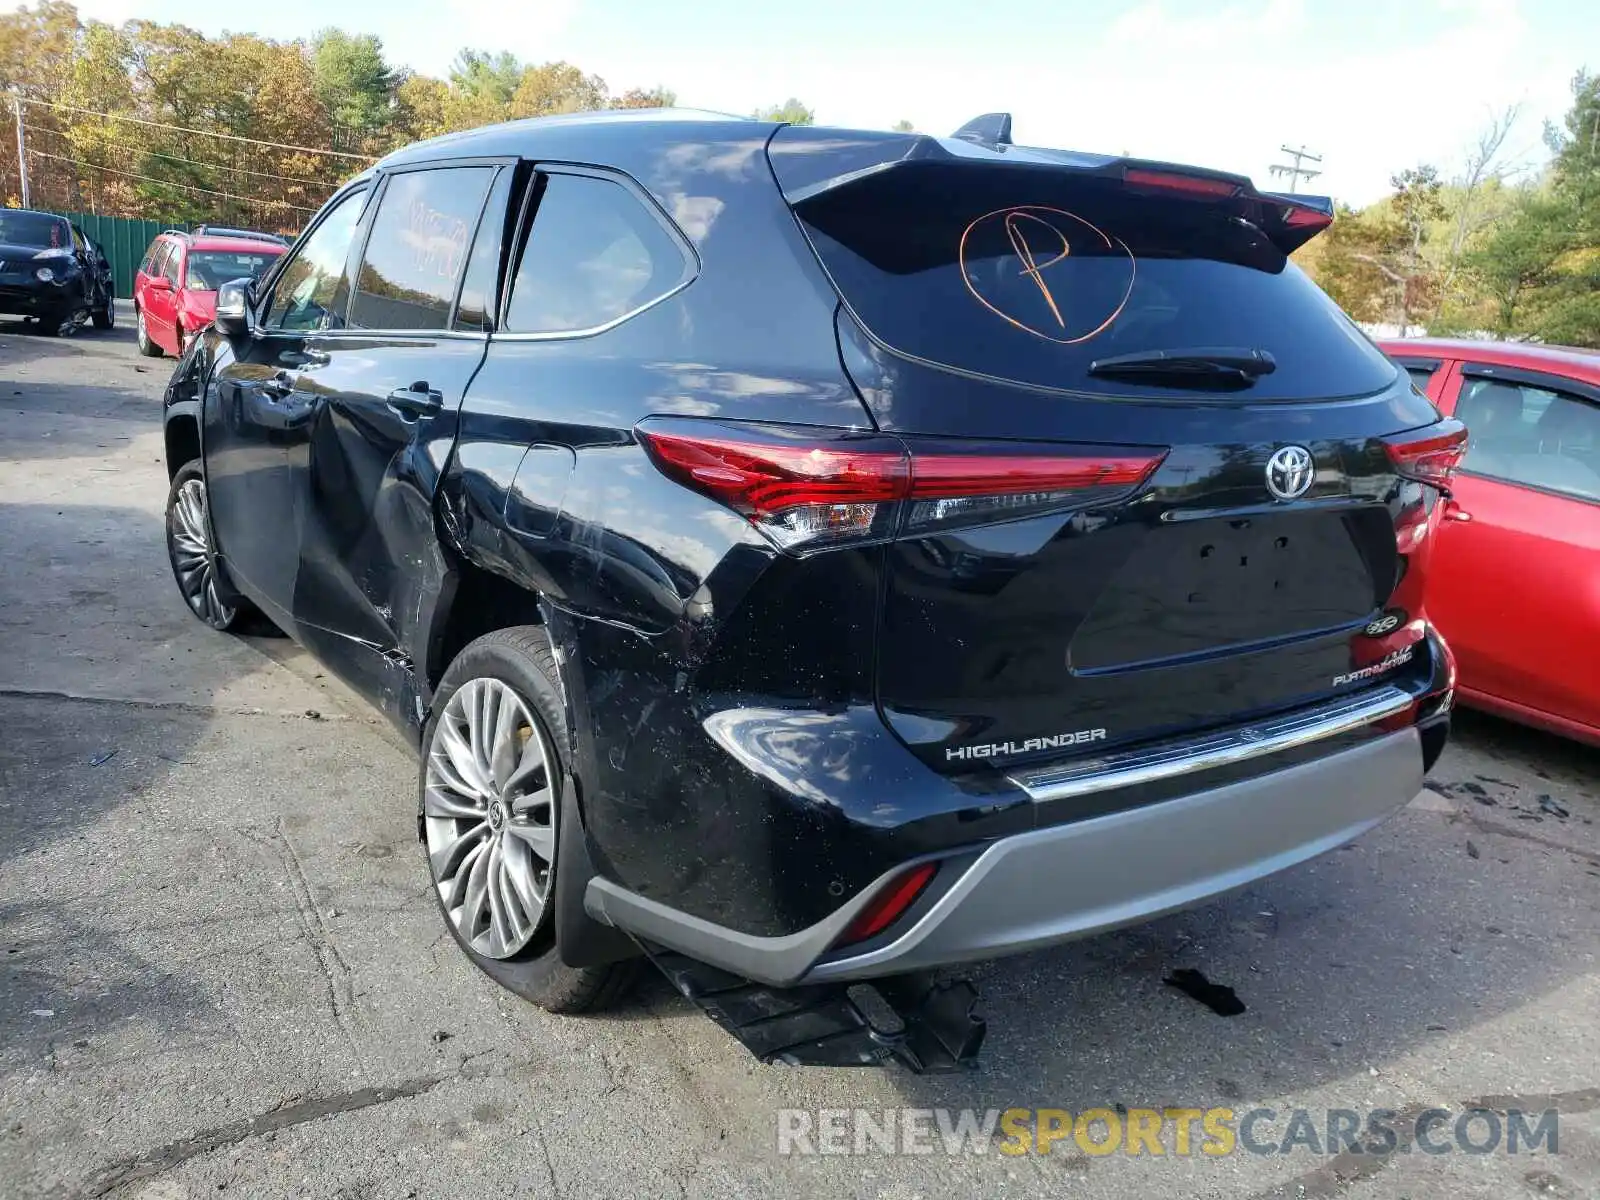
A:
x,y
1431,457
1177,181
806,487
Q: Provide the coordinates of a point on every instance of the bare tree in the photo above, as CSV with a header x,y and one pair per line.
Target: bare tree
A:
x,y
1483,164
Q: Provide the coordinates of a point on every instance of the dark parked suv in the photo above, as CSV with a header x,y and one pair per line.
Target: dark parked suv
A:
x,y
810,555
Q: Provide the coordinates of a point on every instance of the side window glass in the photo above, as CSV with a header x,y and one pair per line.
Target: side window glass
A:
x,y
418,248
594,254
475,312
303,296
158,258
169,265
1421,376
1532,435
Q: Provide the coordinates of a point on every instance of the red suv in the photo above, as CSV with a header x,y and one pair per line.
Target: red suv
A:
x,y
175,290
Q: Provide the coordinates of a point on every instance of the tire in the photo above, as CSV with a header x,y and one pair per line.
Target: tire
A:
x,y
105,317
462,845
201,579
146,347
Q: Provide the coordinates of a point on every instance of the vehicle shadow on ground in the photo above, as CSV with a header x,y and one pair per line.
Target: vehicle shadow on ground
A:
x,y
52,419
63,765
1393,945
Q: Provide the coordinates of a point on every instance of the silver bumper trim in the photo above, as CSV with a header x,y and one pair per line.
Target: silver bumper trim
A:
x,y
1050,885
1147,764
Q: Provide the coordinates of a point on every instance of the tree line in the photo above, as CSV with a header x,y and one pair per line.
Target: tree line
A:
x,y
1492,249
125,120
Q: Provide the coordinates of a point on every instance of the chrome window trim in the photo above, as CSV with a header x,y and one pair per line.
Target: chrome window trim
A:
x,y
1167,760
389,335
692,265
561,335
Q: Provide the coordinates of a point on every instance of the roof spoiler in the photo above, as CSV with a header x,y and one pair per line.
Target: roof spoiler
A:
x,y
810,162
991,129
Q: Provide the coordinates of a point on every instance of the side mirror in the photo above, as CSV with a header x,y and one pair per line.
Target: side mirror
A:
x,y
234,300
159,283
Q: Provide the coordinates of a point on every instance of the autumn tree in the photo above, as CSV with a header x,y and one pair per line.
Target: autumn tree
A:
x,y
790,111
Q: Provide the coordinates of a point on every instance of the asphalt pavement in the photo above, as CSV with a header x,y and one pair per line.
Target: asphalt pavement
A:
x,y
222,973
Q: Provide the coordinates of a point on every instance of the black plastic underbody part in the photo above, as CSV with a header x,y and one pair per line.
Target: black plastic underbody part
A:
x,y
926,1027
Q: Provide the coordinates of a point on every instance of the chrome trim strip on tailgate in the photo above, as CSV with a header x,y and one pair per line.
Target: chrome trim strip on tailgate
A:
x,y
1149,763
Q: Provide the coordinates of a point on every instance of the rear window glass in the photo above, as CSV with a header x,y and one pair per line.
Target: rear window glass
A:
x,y
1031,276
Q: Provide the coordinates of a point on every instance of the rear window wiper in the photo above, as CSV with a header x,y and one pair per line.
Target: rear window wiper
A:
x,y
1209,366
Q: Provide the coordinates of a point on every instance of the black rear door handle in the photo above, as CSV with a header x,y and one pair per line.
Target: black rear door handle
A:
x,y
418,400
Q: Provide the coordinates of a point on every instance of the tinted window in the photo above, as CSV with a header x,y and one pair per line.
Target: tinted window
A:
x,y
208,270
158,258
594,253
476,309
1531,435
33,229
1032,275
418,248
1420,375
304,295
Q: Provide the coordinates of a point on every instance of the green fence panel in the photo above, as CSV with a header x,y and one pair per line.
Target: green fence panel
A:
x,y
124,240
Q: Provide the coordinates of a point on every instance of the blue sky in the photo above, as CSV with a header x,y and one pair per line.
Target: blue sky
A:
x,y
1373,85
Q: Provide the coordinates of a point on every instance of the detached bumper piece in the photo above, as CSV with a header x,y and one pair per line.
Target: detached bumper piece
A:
x,y
927,1028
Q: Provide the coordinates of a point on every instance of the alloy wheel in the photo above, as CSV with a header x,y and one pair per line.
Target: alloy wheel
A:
x,y
192,559
489,808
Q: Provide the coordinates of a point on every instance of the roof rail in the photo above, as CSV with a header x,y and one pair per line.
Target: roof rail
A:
x,y
229,231
991,129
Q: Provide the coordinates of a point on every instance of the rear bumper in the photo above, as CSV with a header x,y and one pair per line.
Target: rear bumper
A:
x,y
1053,884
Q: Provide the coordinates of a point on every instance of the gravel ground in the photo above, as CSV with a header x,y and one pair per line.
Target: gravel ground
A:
x,y
221,970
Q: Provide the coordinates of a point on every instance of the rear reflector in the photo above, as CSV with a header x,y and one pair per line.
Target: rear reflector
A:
x,y
889,905
805,487
1430,456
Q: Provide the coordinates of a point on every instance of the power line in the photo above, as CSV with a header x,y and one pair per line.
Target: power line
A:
x,y
195,162
78,162
1296,172
232,137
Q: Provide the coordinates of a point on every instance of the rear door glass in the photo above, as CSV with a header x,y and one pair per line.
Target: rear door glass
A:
x,y
594,254
1030,276
417,251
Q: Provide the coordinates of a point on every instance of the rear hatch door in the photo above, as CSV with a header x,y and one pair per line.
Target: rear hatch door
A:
x,y
1016,307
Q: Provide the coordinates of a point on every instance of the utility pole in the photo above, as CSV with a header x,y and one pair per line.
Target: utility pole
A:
x,y
22,147
1296,172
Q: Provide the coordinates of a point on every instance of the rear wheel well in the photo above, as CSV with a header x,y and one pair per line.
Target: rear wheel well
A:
x,y
480,602
183,442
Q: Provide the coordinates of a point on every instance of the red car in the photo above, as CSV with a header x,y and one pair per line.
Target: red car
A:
x,y
1514,584
175,290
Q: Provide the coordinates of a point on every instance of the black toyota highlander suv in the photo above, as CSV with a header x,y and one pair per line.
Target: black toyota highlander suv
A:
x,y
810,555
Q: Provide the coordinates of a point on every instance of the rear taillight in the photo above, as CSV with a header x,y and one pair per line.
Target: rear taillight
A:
x,y
806,487
1430,456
